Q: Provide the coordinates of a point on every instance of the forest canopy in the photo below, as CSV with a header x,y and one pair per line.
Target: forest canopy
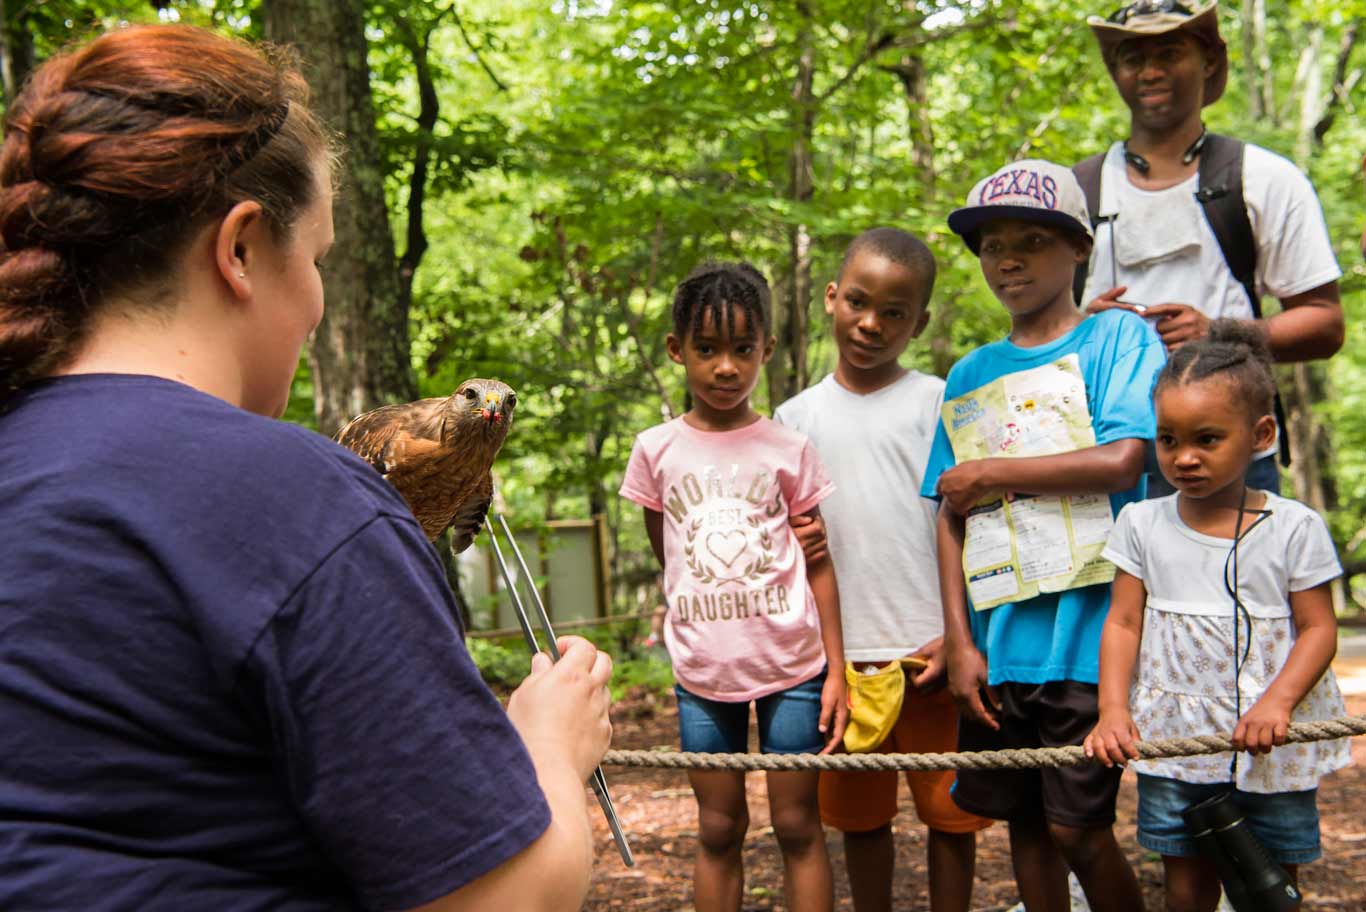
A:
x,y
527,181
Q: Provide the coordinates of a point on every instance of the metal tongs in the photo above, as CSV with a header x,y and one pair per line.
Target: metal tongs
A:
x,y
599,781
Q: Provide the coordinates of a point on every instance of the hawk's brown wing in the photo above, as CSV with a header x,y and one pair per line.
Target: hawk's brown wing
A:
x,y
443,484
388,434
469,519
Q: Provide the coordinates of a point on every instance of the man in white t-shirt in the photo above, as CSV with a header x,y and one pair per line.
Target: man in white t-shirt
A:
x,y
1155,252
873,422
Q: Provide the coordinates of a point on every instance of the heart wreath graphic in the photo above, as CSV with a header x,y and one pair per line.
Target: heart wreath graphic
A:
x,y
728,548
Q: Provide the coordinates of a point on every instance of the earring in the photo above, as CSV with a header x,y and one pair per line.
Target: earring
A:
x,y
241,275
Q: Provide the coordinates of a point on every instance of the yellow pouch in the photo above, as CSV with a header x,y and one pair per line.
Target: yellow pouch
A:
x,y
874,705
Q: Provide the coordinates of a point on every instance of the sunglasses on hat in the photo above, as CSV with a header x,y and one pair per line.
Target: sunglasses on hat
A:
x,y
1147,8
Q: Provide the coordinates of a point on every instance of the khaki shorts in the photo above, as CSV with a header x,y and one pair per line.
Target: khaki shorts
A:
x,y
859,802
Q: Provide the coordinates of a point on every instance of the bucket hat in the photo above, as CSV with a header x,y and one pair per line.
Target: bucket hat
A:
x,y
1145,18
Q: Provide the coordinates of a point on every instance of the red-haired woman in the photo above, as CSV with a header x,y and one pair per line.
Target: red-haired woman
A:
x,y
229,678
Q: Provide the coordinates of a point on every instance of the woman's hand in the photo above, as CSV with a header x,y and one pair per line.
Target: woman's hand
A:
x,y
1114,739
834,709
1262,727
561,708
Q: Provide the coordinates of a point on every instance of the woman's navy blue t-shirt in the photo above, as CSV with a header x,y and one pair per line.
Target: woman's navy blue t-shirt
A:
x,y
230,677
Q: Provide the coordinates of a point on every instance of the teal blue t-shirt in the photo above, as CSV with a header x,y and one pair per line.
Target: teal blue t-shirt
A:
x,y
1056,636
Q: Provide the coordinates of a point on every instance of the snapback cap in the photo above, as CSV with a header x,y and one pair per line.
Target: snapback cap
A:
x,y
1032,190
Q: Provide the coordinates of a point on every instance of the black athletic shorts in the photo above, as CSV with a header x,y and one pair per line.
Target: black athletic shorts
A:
x,y
1056,714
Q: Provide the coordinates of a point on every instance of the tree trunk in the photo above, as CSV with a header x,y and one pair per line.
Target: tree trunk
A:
x,y
1343,82
1308,87
787,370
451,564
16,47
359,355
429,108
910,71
1260,95
593,441
1311,474
1302,385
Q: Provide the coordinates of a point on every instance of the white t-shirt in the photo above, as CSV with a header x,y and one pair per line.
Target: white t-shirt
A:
x,y
1161,245
1183,681
881,531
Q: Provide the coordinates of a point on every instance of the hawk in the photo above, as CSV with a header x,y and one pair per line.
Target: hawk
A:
x,y
439,454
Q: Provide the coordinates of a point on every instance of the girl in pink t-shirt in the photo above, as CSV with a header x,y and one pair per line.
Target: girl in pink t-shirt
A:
x,y
748,619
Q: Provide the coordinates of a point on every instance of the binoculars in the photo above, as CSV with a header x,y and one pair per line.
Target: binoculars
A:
x,y
1252,880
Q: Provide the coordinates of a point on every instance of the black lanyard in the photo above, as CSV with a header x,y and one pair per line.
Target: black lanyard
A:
x,y
1240,612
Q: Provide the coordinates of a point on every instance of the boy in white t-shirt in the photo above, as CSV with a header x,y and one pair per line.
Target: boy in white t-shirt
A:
x,y
873,422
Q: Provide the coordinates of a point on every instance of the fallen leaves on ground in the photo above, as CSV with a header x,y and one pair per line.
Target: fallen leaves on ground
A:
x,y
660,818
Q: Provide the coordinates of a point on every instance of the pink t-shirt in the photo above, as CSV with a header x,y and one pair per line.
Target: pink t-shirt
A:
x,y
742,622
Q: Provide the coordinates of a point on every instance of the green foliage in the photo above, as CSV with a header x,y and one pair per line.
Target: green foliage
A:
x,y
650,672
503,664
588,153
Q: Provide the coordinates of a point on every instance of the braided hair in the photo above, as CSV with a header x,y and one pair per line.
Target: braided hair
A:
x,y
116,153
1234,351
719,289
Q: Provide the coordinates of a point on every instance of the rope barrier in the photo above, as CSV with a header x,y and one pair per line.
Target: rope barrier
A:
x,y
1032,758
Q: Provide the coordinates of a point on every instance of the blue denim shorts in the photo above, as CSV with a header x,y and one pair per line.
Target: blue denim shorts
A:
x,y
1286,823
789,721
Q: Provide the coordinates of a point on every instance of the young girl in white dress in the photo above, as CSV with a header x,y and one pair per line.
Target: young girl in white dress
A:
x,y
1220,620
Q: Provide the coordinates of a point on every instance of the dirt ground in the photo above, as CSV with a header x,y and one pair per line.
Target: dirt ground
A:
x,y
658,813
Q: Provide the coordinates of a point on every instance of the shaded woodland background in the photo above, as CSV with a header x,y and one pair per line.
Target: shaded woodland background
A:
x,y
526,180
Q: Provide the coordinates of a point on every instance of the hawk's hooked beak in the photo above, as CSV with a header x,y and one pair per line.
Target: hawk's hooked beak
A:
x,y
492,410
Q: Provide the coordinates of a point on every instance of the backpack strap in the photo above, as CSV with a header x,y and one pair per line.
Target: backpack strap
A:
x,y
1221,196
1088,175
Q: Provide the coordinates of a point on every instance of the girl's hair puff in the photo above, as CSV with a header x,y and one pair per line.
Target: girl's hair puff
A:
x,y
1234,351
719,288
116,153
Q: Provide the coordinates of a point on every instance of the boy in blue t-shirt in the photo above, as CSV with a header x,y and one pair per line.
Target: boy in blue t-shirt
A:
x,y
1024,672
